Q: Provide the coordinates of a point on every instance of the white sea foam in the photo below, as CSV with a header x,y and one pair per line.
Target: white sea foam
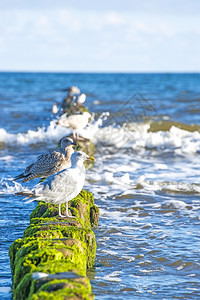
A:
x,y
51,134
7,186
6,158
176,204
170,186
133,135
161,166
110,252
138,136
113,276
117,186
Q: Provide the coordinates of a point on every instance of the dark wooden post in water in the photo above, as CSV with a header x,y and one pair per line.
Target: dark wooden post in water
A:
x,y
51,259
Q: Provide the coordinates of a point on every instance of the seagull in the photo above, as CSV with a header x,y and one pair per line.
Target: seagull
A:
x,y
79,99
73,90
73,102
50,162
76,122
76,104
62,186
55,108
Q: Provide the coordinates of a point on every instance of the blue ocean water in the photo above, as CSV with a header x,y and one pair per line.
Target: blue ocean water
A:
x,y
145,179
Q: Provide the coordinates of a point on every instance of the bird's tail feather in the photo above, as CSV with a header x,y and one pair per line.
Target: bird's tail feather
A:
x,y
27,194
24,177
29,201
20,176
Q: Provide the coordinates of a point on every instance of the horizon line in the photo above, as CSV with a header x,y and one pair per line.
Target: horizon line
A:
x,y
102,72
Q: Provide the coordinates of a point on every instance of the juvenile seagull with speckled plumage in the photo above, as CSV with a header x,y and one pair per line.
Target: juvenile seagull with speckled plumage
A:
x,y
50,162
62,186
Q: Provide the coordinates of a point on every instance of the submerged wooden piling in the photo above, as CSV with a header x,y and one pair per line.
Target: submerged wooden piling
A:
x,y
51,260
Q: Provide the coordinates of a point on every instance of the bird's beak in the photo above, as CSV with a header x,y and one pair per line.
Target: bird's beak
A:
x,y
91,158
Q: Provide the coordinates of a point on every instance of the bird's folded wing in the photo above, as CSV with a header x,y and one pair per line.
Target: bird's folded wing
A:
x,y
63,182
45,163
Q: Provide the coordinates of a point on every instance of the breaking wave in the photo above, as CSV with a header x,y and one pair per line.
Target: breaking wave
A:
x,y
159,135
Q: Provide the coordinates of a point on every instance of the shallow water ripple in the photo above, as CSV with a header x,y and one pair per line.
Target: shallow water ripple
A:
x,y
158,252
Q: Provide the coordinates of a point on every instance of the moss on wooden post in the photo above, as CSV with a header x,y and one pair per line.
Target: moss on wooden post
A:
x,y
51,260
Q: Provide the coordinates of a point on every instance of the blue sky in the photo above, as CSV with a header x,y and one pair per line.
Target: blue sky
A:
x,y
88,35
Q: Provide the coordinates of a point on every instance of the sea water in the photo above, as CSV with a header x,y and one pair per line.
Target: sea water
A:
x,y
145,179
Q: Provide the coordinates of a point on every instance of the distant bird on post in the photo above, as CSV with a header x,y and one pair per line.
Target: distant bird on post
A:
x,y
73,102
76,122
55,108
79,99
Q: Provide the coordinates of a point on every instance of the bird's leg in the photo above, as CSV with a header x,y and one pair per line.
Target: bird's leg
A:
x,y
67,214
59,210
77,137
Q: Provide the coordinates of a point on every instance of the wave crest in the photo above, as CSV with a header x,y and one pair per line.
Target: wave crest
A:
x,y
161,136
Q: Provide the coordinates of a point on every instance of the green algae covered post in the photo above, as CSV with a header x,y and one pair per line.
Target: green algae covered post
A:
x,y
51,260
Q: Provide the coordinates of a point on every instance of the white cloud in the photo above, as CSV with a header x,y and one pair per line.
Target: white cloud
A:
x,y
42,26
114,18
98,40
69,20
